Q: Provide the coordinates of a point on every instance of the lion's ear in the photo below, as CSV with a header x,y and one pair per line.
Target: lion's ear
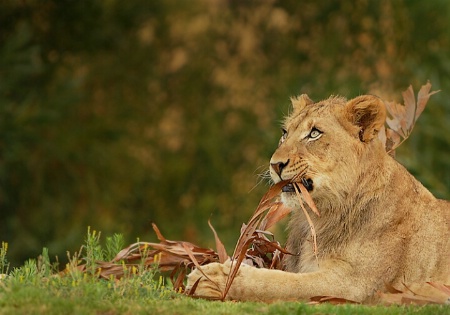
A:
x,y
369,113
300,102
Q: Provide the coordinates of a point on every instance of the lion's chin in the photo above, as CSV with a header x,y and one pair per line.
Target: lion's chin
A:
x,y
290,200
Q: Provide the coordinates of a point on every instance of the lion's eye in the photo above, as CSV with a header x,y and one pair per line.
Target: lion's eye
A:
x,y
315,133
283,136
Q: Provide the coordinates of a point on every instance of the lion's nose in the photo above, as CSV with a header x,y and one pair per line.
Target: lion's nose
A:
x,y
279,166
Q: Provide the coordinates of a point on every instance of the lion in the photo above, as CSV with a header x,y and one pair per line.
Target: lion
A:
x,y
379,228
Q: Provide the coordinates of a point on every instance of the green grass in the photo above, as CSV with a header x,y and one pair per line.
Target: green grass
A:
x,y
39,288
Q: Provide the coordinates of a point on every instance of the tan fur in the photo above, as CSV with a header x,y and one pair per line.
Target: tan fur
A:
x,y
378,226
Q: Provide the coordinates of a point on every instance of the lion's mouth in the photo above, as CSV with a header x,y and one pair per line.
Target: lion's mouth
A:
x,y
289,188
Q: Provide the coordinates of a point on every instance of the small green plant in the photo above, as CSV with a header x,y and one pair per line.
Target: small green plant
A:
x,y
113,245
4,264
44,266
94,252
27,273
33,270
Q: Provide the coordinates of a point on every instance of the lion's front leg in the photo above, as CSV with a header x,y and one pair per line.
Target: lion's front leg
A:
x,y
254,284
249,284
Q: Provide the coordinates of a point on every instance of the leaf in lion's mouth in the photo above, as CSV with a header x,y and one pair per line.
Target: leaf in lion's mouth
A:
x,y
288,188
307,183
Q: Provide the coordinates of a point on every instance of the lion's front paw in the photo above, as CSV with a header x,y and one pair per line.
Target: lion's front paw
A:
x,y
211,280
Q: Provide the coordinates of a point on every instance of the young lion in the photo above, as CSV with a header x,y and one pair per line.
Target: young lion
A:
x,y
378,226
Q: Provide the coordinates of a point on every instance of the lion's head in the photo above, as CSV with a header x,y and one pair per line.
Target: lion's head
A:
x,y
328,146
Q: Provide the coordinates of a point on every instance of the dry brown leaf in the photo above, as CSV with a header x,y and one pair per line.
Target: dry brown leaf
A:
x,y
247,234
265,252
275,214
397,112
178,282
331,300
410,109
193,288
307,198
158,233
222,252
311,224
422,98
404,117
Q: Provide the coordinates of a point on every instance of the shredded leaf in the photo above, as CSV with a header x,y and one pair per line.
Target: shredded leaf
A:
x,y
330,300
222,252
404,117
311,224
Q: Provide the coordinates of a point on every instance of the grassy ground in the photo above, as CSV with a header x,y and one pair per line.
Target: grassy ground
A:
x,y
38,288
100,299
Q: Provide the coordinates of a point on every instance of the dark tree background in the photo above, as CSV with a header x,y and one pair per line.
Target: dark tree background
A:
x,y
115,114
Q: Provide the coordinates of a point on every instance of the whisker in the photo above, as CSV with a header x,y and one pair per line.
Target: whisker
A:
x,y
264,166
262,177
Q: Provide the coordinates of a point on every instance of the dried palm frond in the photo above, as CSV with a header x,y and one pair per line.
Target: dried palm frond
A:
x,y
403,117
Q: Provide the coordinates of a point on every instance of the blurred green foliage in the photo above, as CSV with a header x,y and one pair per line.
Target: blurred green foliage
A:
x,y
115,114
